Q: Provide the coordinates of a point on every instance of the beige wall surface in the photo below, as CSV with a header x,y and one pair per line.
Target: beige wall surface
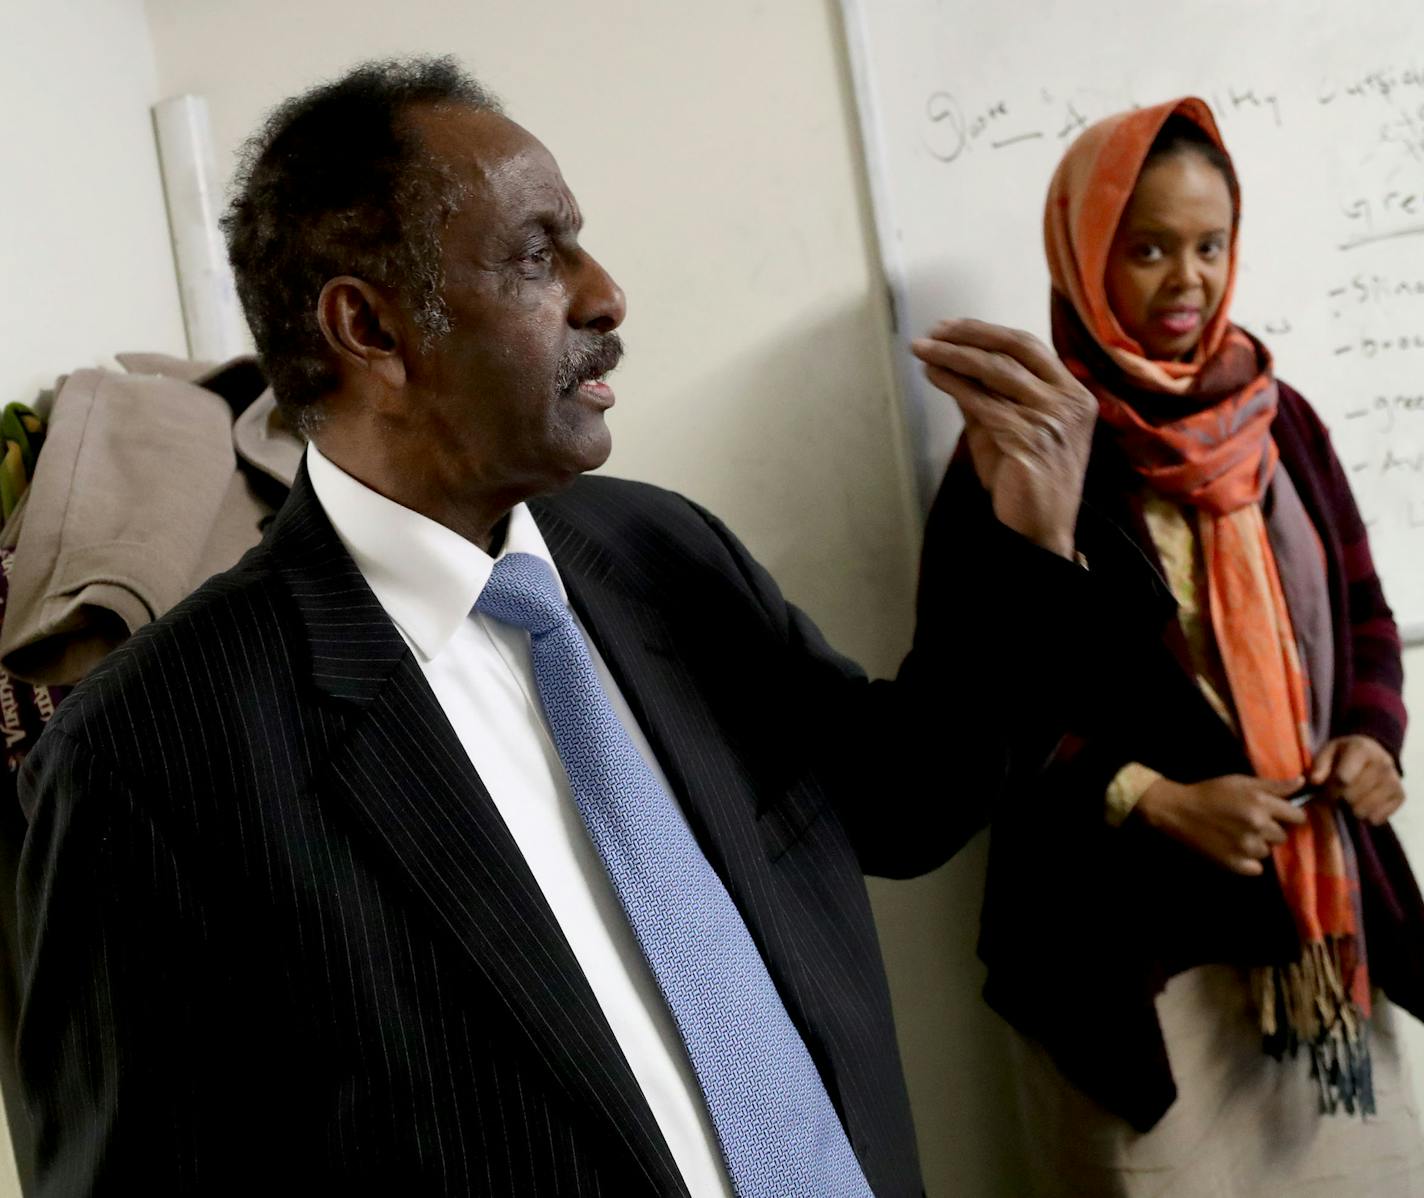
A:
x,y
85,265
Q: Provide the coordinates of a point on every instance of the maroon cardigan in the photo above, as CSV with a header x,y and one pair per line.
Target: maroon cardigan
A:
x,y
1084,923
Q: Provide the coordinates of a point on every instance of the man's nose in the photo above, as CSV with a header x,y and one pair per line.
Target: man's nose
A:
x,y
599,303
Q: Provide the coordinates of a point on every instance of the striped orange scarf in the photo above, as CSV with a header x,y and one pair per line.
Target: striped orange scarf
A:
x,y
1214,452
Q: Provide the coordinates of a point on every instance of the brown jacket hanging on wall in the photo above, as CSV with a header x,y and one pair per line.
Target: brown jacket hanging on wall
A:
x,y
149,483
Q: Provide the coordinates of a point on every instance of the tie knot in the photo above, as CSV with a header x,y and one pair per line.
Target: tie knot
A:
x,y
523,591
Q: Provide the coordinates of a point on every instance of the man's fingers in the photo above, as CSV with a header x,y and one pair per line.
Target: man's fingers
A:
x,y
1023,347
1010,380
1041,432
987,410
1002,396
1247,866
977,404
999,373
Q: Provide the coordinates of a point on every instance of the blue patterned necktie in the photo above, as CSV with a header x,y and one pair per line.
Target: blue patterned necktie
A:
x,y
779,1134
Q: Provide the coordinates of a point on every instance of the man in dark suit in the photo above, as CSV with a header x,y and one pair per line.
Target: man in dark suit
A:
x,y
346,876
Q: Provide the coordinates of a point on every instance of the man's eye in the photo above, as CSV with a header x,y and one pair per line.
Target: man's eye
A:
x,y
538,255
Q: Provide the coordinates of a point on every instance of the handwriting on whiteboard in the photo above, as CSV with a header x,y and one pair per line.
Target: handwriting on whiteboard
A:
x,y
953,129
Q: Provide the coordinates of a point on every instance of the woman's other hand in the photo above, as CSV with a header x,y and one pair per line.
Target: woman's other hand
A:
x,y
1234,820
1358,770
1028,421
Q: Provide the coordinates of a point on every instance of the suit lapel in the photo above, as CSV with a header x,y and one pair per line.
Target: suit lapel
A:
x,y
405,775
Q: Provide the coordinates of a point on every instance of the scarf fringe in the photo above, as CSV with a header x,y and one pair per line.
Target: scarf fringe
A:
x,y
1307,1003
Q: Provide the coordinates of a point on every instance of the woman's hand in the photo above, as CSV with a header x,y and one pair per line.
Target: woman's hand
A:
x,y
1028,421
1359,770
1233,820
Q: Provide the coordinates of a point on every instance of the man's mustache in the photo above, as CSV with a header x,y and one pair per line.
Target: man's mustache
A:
x,y
588,360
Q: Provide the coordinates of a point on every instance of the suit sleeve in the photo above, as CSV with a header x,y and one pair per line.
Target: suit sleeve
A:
x,y
1003,629
113,1068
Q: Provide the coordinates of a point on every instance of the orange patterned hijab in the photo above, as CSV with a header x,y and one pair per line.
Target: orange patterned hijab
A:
x,y
1217,454
1199,432
1086,200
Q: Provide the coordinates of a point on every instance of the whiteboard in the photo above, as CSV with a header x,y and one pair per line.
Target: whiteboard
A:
x,y
966,109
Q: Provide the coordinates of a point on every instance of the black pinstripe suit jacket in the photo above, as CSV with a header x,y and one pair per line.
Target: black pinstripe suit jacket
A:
x,y
277,938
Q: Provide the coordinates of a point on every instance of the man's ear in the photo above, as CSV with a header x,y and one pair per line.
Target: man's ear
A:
x,y
363,328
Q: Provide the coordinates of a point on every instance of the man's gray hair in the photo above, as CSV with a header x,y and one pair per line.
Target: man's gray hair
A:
x,y
337,182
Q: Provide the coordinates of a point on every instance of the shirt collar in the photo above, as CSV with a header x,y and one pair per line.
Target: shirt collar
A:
x,y
426,576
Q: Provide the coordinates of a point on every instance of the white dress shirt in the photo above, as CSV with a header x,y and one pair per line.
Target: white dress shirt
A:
x,y
427,579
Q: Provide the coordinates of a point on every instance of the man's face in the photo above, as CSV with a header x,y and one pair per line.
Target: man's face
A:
x,y
511,401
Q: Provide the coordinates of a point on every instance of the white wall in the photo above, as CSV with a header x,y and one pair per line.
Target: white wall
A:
x,y
84,253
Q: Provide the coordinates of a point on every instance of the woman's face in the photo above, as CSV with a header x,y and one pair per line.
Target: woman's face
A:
x,y
1169,263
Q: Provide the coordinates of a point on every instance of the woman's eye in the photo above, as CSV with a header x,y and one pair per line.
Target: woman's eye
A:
x,y
1211,249
1148,253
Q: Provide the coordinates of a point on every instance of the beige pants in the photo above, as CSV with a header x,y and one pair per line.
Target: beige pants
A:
x,y
1243,1125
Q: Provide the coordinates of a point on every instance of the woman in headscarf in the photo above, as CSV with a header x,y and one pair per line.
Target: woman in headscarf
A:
x,y
1196,898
